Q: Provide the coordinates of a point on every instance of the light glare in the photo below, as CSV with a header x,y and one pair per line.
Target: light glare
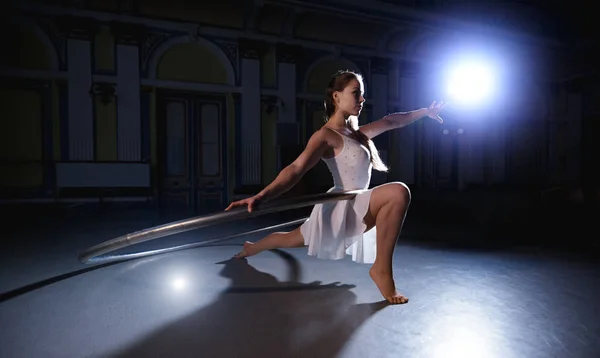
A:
x,y
179,283
470,83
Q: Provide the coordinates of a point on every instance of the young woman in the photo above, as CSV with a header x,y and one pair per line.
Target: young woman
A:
x,y
344,227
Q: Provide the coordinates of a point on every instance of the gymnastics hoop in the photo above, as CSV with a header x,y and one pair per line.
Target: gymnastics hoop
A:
x,y
93,254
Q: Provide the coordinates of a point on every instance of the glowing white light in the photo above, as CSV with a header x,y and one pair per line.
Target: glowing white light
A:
x,y
445,131
464,343
179,283
470,83
465,330
460,131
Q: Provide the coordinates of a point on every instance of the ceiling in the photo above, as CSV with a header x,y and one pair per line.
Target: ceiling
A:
x,y
553,19
557,19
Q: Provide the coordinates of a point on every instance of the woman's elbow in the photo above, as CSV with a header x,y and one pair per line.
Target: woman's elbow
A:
x,y
296,170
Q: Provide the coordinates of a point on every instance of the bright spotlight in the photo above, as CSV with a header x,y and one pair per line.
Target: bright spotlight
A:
x,y
179,283
470,83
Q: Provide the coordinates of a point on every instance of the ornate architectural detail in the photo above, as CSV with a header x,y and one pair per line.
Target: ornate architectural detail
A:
x,y
62,28
128,34
270,102
150,42
252,48
106,91
58,40
231,50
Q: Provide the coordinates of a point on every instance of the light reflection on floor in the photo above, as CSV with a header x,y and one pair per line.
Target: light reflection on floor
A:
x,y
199,303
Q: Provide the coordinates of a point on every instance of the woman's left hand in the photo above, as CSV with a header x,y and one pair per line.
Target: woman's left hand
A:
x,y
434,110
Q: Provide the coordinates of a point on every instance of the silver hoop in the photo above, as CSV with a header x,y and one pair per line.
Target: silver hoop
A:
x,y
93,253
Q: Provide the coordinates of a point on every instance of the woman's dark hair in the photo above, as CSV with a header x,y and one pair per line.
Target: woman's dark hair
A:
x,y
338,82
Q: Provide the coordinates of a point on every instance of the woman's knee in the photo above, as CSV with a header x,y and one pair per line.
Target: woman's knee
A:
x,y
398,192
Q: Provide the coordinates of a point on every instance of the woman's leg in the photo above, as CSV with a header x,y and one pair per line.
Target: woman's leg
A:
x,y
387,211
272,241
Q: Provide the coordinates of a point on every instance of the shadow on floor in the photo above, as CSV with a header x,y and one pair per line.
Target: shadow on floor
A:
x,y
259,316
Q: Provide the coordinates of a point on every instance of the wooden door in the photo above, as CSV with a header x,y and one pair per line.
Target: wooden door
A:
x,y
191,145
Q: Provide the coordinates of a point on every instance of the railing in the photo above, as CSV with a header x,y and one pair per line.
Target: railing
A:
x,y
92,254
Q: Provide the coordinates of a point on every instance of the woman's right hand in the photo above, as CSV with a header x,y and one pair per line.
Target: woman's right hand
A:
x,y
289,176
251,202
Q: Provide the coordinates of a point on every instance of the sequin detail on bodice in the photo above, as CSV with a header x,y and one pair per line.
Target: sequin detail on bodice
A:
x,y
351,168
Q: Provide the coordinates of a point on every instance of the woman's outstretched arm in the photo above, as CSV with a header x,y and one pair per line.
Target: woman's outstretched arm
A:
x,y
401,119
291,174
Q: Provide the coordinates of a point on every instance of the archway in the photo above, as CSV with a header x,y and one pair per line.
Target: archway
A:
x,y
318,74
187,60
193,124
28,47
25,133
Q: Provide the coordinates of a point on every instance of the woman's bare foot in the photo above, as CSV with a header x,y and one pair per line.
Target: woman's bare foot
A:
x,y
385,283
248,250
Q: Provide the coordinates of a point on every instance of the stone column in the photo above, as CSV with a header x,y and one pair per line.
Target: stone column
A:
x,y
129,129
393,80
287,133
555,124
495,145
79,32
406,136
379,92
250,52
573,137
475,147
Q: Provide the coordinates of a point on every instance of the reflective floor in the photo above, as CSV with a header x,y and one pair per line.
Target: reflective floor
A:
x,y
200,303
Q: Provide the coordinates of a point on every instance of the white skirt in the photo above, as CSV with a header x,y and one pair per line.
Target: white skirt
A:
x,y
336,229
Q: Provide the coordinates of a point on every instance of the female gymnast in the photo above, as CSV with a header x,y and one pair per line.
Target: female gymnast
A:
x,y
340,228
